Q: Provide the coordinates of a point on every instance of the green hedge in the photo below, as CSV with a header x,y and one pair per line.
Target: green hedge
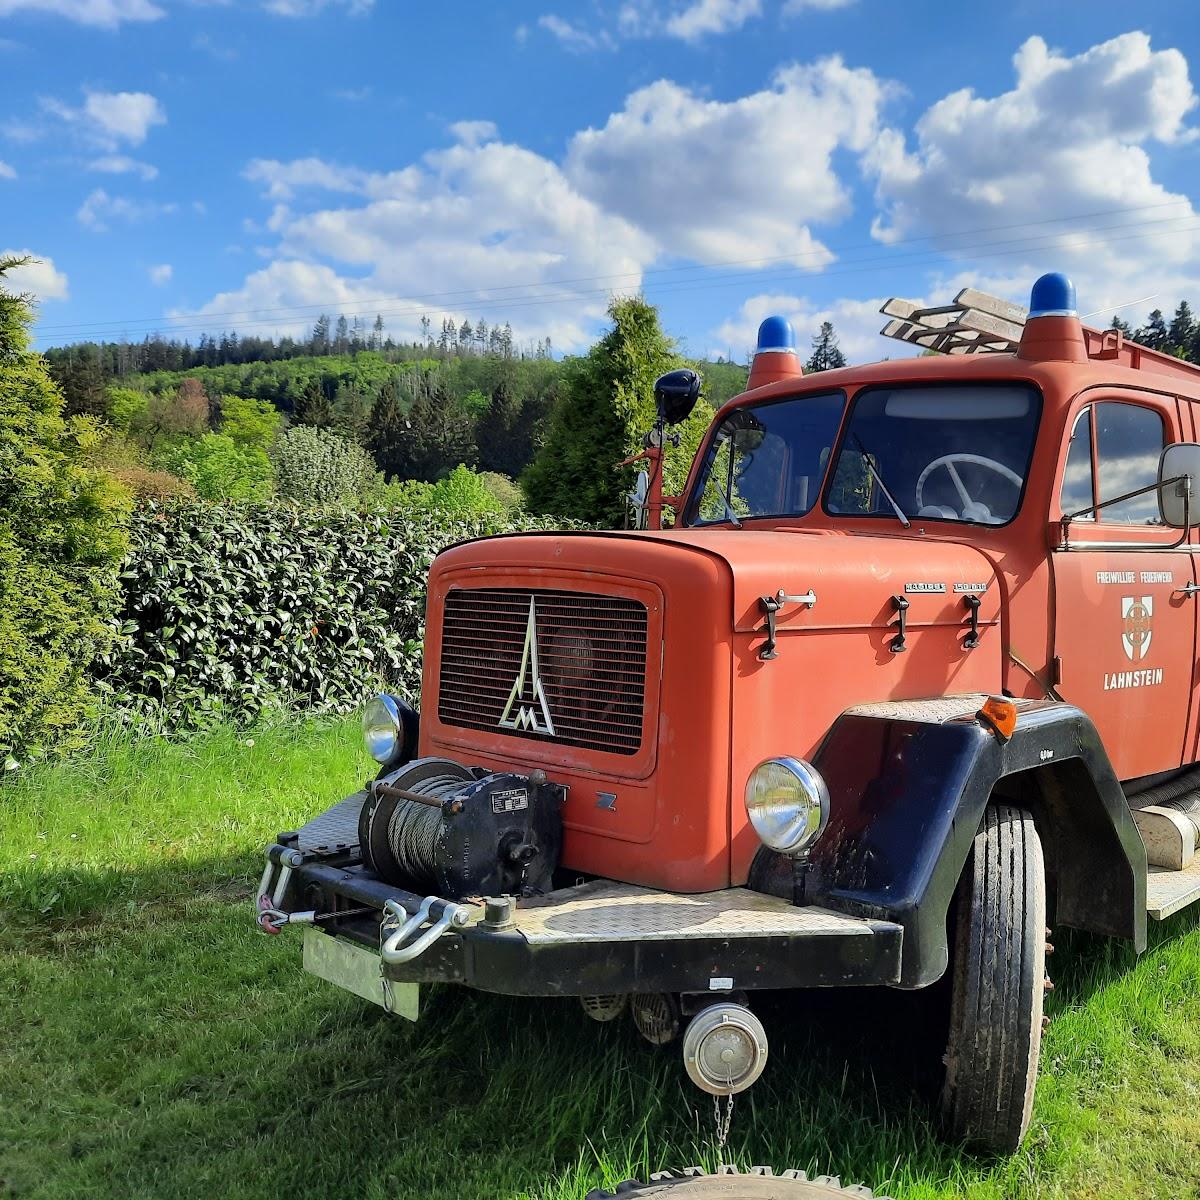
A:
x,y
234,610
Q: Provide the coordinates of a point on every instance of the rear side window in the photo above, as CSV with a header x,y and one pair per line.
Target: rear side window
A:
x,y
1129,441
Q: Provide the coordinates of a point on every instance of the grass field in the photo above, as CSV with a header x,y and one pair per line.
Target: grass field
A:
x,y
154,1044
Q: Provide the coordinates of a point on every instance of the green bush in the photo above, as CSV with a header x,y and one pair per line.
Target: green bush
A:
x,y
125,407
314,467
219,468
462,493
250,422
61,536
235,610
504,489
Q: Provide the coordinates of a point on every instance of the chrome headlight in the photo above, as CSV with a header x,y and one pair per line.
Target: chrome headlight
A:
x,y
787,803
382,728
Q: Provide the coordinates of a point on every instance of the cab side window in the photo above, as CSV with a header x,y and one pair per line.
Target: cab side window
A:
x,y
1129,441
1077,478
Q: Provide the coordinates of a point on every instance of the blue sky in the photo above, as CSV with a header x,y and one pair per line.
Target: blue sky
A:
x,y
189,165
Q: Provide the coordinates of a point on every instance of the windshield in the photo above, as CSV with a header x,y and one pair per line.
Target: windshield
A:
x,y
943,452
768,461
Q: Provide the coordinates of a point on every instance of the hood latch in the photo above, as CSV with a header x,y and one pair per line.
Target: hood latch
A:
x,y
770,606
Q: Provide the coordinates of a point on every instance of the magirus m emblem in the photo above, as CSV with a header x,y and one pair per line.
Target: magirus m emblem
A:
x,y
527,707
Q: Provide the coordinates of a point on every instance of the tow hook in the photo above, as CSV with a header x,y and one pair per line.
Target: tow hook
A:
x,y
272,920
281,861
392,948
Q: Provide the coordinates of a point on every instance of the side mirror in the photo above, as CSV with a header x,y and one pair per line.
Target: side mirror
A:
x,y
675,395
638,500
1179,458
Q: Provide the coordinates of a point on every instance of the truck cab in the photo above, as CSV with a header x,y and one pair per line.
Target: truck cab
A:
x,y
910,680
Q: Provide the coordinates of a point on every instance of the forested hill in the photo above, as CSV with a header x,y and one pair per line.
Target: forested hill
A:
x,y
419,410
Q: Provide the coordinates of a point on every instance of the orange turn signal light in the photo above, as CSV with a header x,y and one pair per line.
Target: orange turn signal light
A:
x,y
1000,715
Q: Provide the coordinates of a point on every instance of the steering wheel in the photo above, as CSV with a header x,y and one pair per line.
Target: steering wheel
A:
x,y
972,510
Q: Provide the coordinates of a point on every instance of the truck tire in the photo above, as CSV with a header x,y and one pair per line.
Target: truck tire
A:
x,y
998,982
693,1183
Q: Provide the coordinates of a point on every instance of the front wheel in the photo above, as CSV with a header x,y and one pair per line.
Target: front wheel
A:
x,y
760,1183
998,983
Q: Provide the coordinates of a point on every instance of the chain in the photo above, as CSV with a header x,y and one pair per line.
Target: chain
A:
x,y
388,925
723,1119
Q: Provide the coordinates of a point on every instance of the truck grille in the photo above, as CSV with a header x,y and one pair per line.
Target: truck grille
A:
x,y
590,654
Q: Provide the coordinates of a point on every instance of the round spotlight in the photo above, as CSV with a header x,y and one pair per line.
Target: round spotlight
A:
x,y
787,803
382,729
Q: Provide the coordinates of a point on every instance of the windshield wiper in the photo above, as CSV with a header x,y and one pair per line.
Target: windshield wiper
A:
x,y
727,494
869,463
729,513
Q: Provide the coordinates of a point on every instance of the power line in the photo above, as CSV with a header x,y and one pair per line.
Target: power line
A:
x,y
994,250
484,297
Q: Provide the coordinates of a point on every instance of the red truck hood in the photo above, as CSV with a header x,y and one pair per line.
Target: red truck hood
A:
x,y
853,575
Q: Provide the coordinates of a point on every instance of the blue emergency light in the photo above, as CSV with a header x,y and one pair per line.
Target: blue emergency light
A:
x,y
776,333
1053,295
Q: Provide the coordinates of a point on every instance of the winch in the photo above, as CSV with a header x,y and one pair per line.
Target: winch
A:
x,y
436,826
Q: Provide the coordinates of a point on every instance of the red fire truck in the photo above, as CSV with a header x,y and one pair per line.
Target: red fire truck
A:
x,y
910,681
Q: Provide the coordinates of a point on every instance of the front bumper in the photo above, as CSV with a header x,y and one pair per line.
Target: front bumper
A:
x,y
597,938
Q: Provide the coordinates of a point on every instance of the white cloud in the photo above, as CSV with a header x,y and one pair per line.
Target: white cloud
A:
x,y
472,133
464,221
160,275
461,227
285,284
17,130
312,8
99,209
121,164
572,37
1071,139
40,276
792,8
689,20
214,47
105,119
103,14
711,16
282,180
6,172
749,174
856,322
124,116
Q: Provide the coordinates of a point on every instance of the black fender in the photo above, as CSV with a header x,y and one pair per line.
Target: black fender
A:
x,y
908,784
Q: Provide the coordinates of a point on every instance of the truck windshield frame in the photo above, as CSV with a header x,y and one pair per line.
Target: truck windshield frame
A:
x,y
787,444
953,452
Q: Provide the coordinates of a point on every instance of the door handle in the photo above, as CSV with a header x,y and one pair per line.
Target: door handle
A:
x,y
1188,589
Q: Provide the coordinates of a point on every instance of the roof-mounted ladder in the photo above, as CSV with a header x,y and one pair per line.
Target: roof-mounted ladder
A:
x,y
975,323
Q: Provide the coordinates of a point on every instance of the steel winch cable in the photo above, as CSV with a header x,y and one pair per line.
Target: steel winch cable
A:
x,y
415,829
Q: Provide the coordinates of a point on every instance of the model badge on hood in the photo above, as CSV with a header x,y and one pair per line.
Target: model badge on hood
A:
x,y
527,707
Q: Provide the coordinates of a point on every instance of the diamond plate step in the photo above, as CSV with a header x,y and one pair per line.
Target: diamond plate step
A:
x,y
605,912
1169,891
334,829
